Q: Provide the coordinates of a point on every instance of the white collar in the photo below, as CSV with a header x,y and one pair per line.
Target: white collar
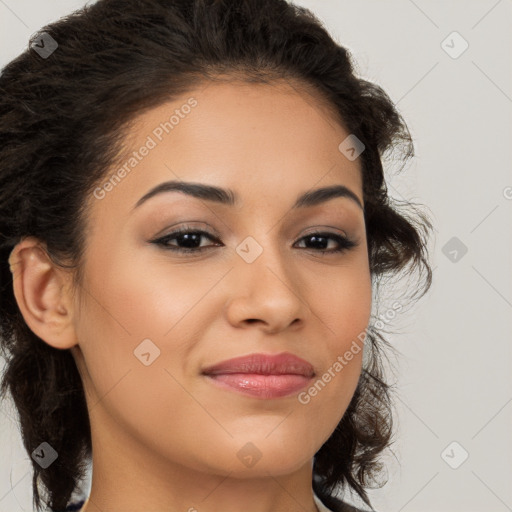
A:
x,y
319,505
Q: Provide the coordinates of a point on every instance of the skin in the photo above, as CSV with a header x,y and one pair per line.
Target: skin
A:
x,y
164,437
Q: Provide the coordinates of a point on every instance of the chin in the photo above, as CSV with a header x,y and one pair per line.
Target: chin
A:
x,y
263,458
263,469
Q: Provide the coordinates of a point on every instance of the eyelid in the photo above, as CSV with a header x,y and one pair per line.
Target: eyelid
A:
x,y
319,229
188,226
345,242
209,230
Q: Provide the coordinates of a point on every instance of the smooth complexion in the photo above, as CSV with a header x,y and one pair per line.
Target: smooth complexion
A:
x,y
164,438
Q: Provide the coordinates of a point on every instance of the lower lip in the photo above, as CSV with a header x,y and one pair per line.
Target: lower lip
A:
x,y
261,386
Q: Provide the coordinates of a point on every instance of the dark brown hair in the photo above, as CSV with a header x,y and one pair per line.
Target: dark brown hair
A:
x,y
62,123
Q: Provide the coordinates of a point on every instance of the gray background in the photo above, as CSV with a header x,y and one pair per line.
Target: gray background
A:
x,y
454,376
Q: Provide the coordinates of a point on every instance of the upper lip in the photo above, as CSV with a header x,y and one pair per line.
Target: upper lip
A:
x,y
263,364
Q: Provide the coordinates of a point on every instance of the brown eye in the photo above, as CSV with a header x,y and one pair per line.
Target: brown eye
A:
x,y
186,240
320,240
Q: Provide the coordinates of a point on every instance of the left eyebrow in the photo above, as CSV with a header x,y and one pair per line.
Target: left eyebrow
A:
x,y
229,197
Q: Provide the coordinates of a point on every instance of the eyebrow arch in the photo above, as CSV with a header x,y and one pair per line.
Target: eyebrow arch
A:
x,y
230,198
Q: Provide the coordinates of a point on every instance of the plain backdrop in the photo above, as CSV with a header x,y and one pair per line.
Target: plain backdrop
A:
x,y
447,66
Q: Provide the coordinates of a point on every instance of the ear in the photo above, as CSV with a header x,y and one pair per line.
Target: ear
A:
x,y
42,291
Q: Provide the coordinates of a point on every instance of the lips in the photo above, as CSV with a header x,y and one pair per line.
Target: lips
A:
x,y
262,375
262,364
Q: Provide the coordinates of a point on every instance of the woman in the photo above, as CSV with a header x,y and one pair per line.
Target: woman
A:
x,y
193,220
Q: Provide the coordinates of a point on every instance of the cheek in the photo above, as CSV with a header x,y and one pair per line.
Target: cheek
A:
x,y
342,299
143,298
130,309
344,308
124,305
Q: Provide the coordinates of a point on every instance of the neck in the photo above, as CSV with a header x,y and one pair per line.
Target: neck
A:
x,y
128,476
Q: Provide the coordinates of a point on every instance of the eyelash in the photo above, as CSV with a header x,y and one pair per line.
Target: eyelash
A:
x,y
345,243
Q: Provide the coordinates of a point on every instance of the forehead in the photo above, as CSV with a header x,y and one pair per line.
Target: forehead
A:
x,y
245,136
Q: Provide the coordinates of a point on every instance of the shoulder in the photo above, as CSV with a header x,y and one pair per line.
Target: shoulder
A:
x,y
75,506
337,505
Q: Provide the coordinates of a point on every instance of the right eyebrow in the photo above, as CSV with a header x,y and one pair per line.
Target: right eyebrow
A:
x,y
230,198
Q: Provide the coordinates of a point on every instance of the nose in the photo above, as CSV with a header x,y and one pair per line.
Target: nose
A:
x,y
266,293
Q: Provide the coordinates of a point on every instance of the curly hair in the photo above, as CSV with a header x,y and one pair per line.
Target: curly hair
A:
x,y
63,120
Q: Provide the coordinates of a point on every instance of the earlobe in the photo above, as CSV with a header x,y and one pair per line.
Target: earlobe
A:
x,y
41,289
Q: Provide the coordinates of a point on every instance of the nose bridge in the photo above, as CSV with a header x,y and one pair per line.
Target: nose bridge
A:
x,y
264,268
264,258
265,284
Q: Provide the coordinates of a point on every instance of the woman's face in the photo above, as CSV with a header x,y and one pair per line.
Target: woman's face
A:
x,y
151,319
